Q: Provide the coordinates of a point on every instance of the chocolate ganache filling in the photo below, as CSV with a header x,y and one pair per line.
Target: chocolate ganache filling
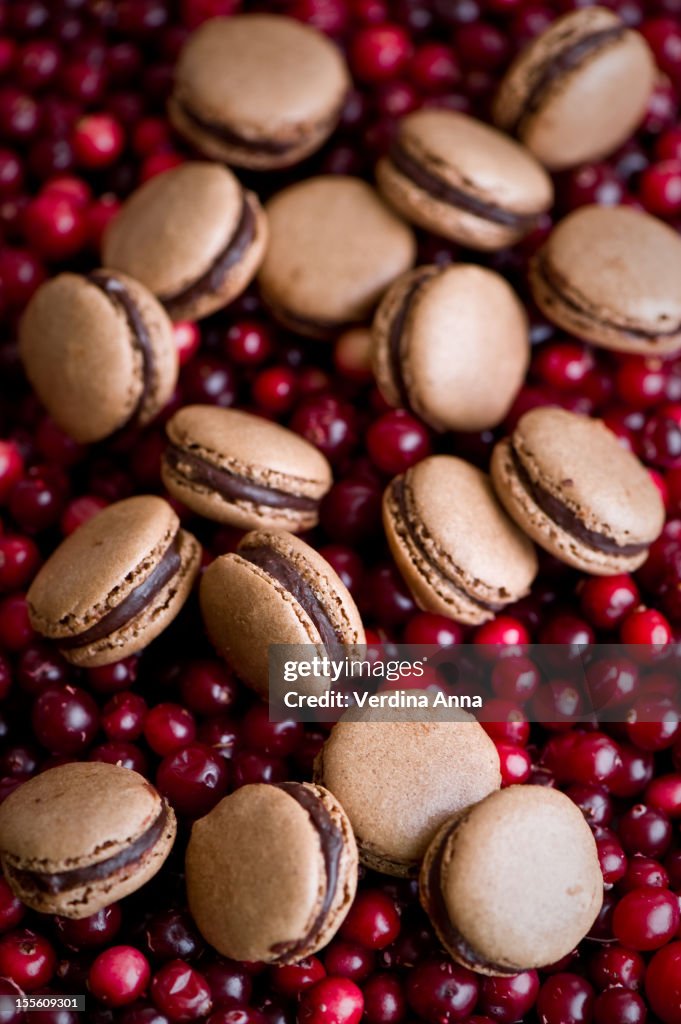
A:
x,y
197,470
558,285
437,911
396,331
331,841
453,196
62,881
553,70
568,520
400,497
212,279
117,294
136,601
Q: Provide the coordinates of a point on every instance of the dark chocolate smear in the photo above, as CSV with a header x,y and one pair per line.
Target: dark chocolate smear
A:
x,y
437,911
196,470
136,601
232,138
331,841
281,569
62,881
399,495
212,279
396,331
566,61
559,286
117,293
568,520
446,193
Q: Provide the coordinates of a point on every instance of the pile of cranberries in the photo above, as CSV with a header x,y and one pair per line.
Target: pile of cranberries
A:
x,y
82,91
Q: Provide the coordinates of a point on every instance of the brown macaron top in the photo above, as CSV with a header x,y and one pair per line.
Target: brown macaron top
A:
x,y
99,351
513,882
244,470
188,234
271,872
334,249
578,90
243,89
399,779
568,481
612,275
451,344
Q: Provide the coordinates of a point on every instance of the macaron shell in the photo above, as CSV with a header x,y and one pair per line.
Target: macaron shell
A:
x,y
347,871
618,271
399,780
334,249
521,877
465,348
257,855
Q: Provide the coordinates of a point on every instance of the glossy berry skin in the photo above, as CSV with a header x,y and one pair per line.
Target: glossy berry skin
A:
x,y
439,990
565,999
119,975
331,1001
619,1004
646,918
663,983
349,960
27,959
372,921
614,966
193,779
90,932
508,999
169,727
65,720
180,992
384,999
12,909
397,441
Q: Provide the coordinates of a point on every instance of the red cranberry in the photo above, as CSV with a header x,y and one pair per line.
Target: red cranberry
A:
x,y
79,511
642,872
331,1001
515,764
292,979
54,227
440,991
251,767
278,738
274,390
248,342
38,64
141,1013
90,932
209,380
346,562
663,983
641,382
168,727
351,511
187,340
563,365
11,909
230,985
384,1000
98,141
15,629
427,628
508,999
37,501
123,716
481,45
119,975
193,779
276,1015
661,441
379,52
506,722
57,446
181,992
664,794
619,1004
125,755
41,668
26,959
21,272
397,441
208,687
672,866
387,596
606,600
646,626
11,464
565,999
594,183
171,935
503,631
65,720
593,802
327,423
515,678
615,966
119,675
19,115
646,831
646,918
373,920
611,682
221,733
349,960
653,723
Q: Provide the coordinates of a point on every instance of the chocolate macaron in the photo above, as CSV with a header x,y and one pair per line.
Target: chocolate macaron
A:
x,y
399,780
258,90
192,235
578,90
513,882
570,484
115,583
239,469
457,550
271,872
99,352
275,589
334,248
464,180
451,344
81,836
612,275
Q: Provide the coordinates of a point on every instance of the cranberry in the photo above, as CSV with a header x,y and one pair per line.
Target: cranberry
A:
x,y
123,716
438,990
646,918
55,445
119,675
641,382
331,1001
515,764
171,935
565,999
619,1004
79,511
251,767
37,501
274,390
208,687
168,727
119,975
664,794
19,115
384,1000
21,272
209,380
372,921
646,831
38,64
65,720
327,423
278,738
249,1016
125,755
11,909
98,141
97,929
505,721
397,441
230,985
615,966
15,628
515,678
611,682
606,600
653,723
11,465
351,511
346,562
508,999
248,342
193,779
380,52
349,960
141,1013
646,626
181,992
55,227
292,979
27,959
503,631
663,983
41,668
220,732
593,802
387,596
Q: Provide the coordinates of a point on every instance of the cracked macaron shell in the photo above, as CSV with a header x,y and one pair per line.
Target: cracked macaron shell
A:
x,y
172,229
612,275
245,608
256,876
399,780
334,248
468,536
478,160
464,346
83,360
588,110
580,462
75,816
520,879
98,566
251,75
252,448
